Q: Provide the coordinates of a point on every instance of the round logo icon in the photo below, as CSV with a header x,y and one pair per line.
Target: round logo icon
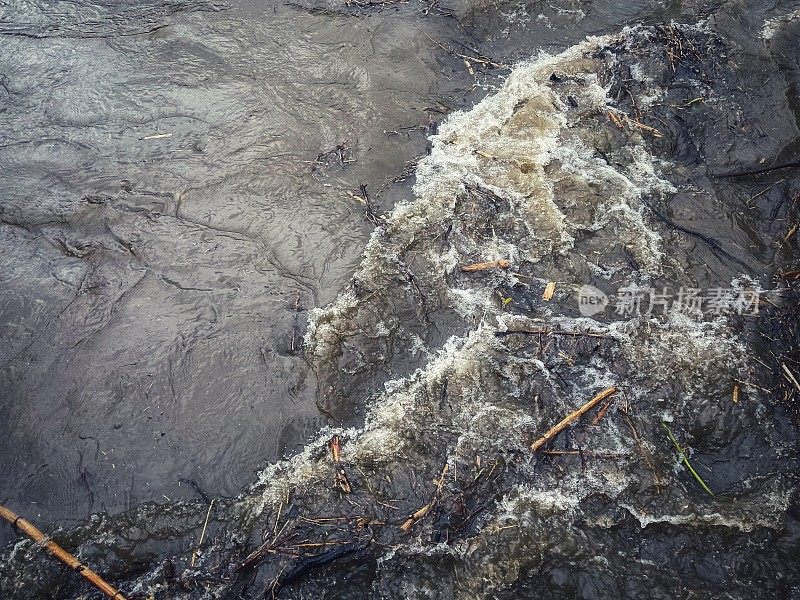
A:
x,y
591,300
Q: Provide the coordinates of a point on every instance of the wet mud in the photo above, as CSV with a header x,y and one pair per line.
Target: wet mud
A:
x,y
651,154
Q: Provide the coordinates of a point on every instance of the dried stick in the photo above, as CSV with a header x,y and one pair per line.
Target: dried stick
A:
x,y
790,376
65,557
570,418
602,412
586,453
341,475
482,266
645,453
268,547
547,331
409,522
196,551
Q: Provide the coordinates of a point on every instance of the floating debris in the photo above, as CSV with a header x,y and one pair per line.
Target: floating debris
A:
x,y
57,551
420,513
196,552
685,460
572,417
341,476
482,266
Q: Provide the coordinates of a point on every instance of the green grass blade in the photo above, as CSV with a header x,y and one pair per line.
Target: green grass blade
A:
x,y
685,460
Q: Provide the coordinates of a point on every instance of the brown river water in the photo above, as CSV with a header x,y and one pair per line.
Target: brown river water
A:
x,y
231,231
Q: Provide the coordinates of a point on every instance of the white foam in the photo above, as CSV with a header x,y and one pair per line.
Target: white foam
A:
x,y
517,144
771,26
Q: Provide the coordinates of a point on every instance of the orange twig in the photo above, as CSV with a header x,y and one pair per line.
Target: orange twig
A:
x,y
409,522
341,476
602,412
65,557
570,418
482,266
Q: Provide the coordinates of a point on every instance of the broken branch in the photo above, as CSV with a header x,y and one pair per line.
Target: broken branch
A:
x,y
57,551
409,522
546,331
196,551
572,417
482,266
341,476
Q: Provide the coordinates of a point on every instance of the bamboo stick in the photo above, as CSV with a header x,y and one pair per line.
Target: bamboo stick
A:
x,y
65,557
570,418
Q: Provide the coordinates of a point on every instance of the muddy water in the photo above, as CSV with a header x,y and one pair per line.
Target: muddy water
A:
x,y
197,289
177,195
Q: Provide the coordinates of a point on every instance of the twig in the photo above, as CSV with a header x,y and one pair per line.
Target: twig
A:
x,y
753,385
409,522
196,551
341,476
602,412
65,557
572,417
546,331
620,119
257,555
480,59
765,190
586,453
319,544
790,376
790,165
648,459
482,266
